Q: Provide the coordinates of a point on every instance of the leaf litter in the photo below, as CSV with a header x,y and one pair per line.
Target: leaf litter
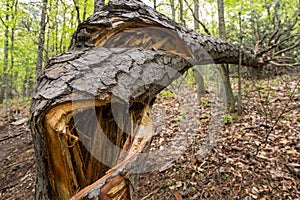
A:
x,y
255,156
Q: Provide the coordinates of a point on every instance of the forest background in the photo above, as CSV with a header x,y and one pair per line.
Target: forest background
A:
x,y
20,35
258,153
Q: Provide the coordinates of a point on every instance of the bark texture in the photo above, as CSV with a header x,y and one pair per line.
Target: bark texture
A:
x,y
100,93
73,86
133,19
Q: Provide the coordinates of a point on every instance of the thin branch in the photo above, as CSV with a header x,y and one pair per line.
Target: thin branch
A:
x,y
284,110
259,42
274,33
287,49
77,11
287,38
283,58
3,22
293,171
162,4
277,44
285,64
202,24
287,31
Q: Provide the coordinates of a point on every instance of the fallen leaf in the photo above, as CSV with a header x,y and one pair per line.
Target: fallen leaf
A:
x,y
178,196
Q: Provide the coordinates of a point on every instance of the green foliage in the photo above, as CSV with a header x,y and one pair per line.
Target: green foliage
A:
x,y
167,185
190,77
24,22
225,176
24,19
205,102
227,119
166,93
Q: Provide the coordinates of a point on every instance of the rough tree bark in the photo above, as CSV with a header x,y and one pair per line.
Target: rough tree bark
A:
x,y
102,89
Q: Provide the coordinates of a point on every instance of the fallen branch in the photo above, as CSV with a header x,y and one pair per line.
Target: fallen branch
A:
x,y
10,136
293,171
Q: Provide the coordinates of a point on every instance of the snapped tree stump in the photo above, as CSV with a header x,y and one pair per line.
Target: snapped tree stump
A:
x,y
91,111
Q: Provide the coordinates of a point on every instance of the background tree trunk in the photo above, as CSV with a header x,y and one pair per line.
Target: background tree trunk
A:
x,y
239,96
77,9
172,4
200,83
39,61
182,21
196,70
225,67
11,76
196,14
5,61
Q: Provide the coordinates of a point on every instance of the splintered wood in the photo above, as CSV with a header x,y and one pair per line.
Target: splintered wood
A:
x,y
149,38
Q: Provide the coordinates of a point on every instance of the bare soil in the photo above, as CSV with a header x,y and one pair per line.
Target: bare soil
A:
x,y
17,156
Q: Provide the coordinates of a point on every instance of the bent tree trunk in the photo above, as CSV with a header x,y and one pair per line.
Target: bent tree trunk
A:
x,y
91,121
92,113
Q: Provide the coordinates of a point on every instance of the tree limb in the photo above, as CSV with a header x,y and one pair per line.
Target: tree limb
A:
x,y
201,23
285,64
3,22
287,49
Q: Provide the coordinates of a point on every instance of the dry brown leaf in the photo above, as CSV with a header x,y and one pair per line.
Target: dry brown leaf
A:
x,y
178,196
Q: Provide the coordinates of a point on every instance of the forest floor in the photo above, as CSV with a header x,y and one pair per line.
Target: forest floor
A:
x,y
253,156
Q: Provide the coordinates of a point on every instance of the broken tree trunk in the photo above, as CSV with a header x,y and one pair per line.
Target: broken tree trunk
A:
x,y
86,100
133,24
91,121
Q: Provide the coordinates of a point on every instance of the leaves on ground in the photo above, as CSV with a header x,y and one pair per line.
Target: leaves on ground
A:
x,y
256,155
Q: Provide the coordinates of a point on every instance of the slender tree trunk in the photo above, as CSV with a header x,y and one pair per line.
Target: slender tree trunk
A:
x,y
172,4
61,43
47,46
182,21
11,85
2,88
196,70
196,13
239,98
254,24
84,10
39,62
5,60
200,83
154,4
77,9
56,28
222,27
225,67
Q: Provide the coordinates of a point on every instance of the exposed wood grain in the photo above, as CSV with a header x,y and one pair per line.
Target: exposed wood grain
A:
x,y
70,90
133,24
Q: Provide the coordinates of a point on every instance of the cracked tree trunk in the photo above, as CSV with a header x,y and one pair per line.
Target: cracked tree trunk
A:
x,y
91,121
133,24
86,100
